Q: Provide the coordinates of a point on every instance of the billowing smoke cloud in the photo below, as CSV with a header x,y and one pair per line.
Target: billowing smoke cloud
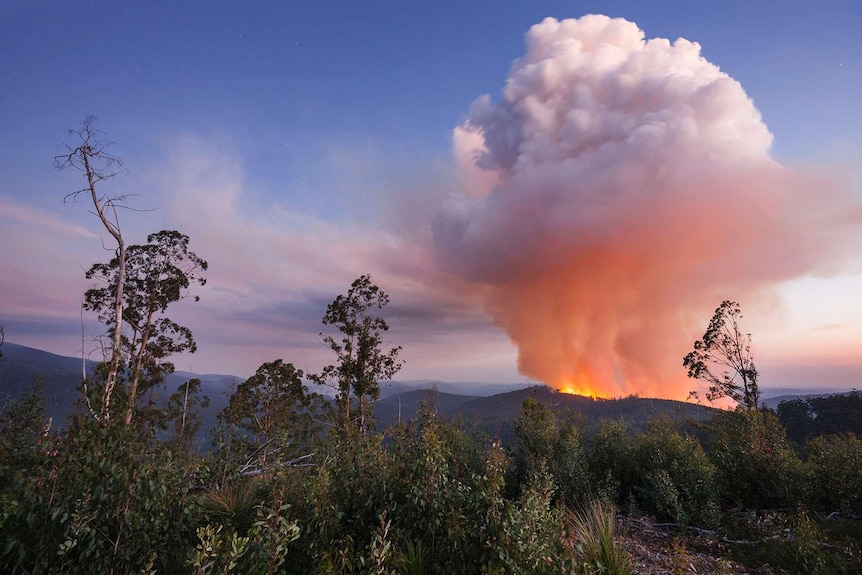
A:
x,y
614,196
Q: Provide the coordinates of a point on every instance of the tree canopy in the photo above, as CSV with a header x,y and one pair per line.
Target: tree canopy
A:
x,y
722,359
156,275
362,360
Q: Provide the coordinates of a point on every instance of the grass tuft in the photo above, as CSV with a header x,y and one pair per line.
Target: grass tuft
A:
x,y
593,530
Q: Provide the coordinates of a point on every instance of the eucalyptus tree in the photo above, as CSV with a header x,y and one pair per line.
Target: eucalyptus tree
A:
x,y
153,276
89,156
271,417
722,359
362,360
183,414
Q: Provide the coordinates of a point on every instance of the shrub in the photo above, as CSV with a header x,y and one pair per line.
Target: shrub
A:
x,y
528,535
611,464
757,467
545,441
676,480
835,470
104,503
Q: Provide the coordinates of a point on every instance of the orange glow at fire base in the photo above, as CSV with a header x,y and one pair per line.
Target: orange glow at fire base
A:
x,y
581,386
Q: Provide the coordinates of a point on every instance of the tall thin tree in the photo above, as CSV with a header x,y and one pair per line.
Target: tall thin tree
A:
x,y
362,360
90,157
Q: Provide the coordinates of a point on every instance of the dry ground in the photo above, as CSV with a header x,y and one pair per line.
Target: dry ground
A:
x,y
655,550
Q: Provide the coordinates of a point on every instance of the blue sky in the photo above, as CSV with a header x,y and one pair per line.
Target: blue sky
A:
x,y
302,144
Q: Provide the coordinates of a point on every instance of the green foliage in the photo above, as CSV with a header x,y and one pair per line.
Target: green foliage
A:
x,y
157,274
26,443
834,414
217,552
182,416
362,361
104,503
261,549
611,462
270,418
796,417
661,472
337,501
676,479
529,535
834,467
722,359
756,465
439,492
25,436
795,543
838,413
544,441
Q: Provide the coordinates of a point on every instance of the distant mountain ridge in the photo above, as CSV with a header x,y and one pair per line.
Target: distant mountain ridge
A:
x,y
493,406
60,376
495,414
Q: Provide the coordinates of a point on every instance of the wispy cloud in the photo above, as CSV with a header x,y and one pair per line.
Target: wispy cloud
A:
x,y
274,269
38,220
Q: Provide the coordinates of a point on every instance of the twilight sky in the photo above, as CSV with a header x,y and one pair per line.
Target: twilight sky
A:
x,y
557,200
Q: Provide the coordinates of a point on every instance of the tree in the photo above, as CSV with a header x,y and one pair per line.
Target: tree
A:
x,y
722,359
838,413
24,432
91,158
362,361
796,417
2,339
183,411
274,414
155,275
548,442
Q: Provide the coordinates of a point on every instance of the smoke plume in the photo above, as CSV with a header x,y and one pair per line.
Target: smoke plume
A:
x,y
619,190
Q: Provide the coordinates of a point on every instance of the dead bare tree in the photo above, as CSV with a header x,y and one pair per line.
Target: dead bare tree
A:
x,y
90,157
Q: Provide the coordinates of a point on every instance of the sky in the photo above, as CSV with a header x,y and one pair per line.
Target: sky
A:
x,y
545,195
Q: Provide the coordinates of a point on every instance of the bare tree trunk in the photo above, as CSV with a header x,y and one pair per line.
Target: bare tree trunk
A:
x,y
136,369
114,230
185,410
82,158
84,368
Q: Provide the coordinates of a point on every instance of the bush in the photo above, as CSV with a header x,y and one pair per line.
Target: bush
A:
x,y
104,503
756,465
544,441
528,535
676,480
611,463
834,467
338,503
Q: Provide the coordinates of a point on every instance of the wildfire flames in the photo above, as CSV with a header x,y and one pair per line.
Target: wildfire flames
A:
x,y
581,388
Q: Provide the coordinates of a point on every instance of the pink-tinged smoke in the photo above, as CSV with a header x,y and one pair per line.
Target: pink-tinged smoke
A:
x,y
620,190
